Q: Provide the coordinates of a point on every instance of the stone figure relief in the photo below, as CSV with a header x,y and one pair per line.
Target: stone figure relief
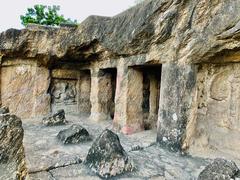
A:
x,y
234,103
226,87
64,92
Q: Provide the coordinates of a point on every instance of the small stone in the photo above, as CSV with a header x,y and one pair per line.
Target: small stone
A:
x,y
106,157
4,110
219,169
136,148
55,119
73,135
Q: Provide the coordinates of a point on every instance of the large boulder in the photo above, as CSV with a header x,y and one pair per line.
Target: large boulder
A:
x,y
12,158
106,157
55,119
219,169
74,134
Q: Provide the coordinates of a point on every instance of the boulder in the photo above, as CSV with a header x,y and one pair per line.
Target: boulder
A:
x,y
219,169
12,158
4,110
73,135
106,157
55,119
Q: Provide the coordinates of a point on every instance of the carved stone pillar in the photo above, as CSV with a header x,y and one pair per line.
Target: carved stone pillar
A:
x,y
177,87
101,95
129,98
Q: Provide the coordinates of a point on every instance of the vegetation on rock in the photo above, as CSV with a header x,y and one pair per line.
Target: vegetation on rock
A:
x,y
45,15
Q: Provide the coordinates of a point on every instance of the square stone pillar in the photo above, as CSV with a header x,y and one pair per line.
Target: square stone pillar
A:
x,y
129,97
101,95
176,97
120,115
24,88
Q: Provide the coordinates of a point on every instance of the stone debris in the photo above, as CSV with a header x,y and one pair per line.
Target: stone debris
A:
x,y
137,148
12,158
55,119
219,169
73,135
4,110
106,157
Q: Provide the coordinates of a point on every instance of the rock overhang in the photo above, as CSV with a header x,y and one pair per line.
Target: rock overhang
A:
x,y
178,31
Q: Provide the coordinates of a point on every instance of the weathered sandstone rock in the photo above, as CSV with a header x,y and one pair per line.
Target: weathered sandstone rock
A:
x,y
177,86
175,30
219,169
73,135
55,119
107,157
24,88
12,158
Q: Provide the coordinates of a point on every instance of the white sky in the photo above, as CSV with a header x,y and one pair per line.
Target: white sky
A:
x,y
74,9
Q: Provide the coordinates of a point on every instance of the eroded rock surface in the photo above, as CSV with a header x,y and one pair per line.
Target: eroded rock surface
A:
x,y
73,135
219,169
12,158
107,157
4,110
55,119
172,30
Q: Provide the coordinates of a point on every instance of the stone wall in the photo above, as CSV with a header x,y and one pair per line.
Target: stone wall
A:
x,y
215,126
24,88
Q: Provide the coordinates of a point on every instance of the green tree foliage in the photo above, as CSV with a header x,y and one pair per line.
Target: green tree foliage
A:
x,y
45,15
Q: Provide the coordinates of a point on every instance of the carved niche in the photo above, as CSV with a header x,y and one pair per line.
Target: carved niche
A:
x,y
64,91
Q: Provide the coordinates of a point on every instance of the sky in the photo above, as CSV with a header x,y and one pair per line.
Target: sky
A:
x,y
74,9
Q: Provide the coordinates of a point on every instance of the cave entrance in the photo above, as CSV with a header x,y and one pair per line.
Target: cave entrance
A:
x,y
84,103
151,95
107,91
150,92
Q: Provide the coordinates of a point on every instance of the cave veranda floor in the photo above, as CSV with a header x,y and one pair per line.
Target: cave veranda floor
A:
x,y
47,158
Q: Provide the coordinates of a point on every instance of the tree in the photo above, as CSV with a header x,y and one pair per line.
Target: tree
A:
x,y
45,15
